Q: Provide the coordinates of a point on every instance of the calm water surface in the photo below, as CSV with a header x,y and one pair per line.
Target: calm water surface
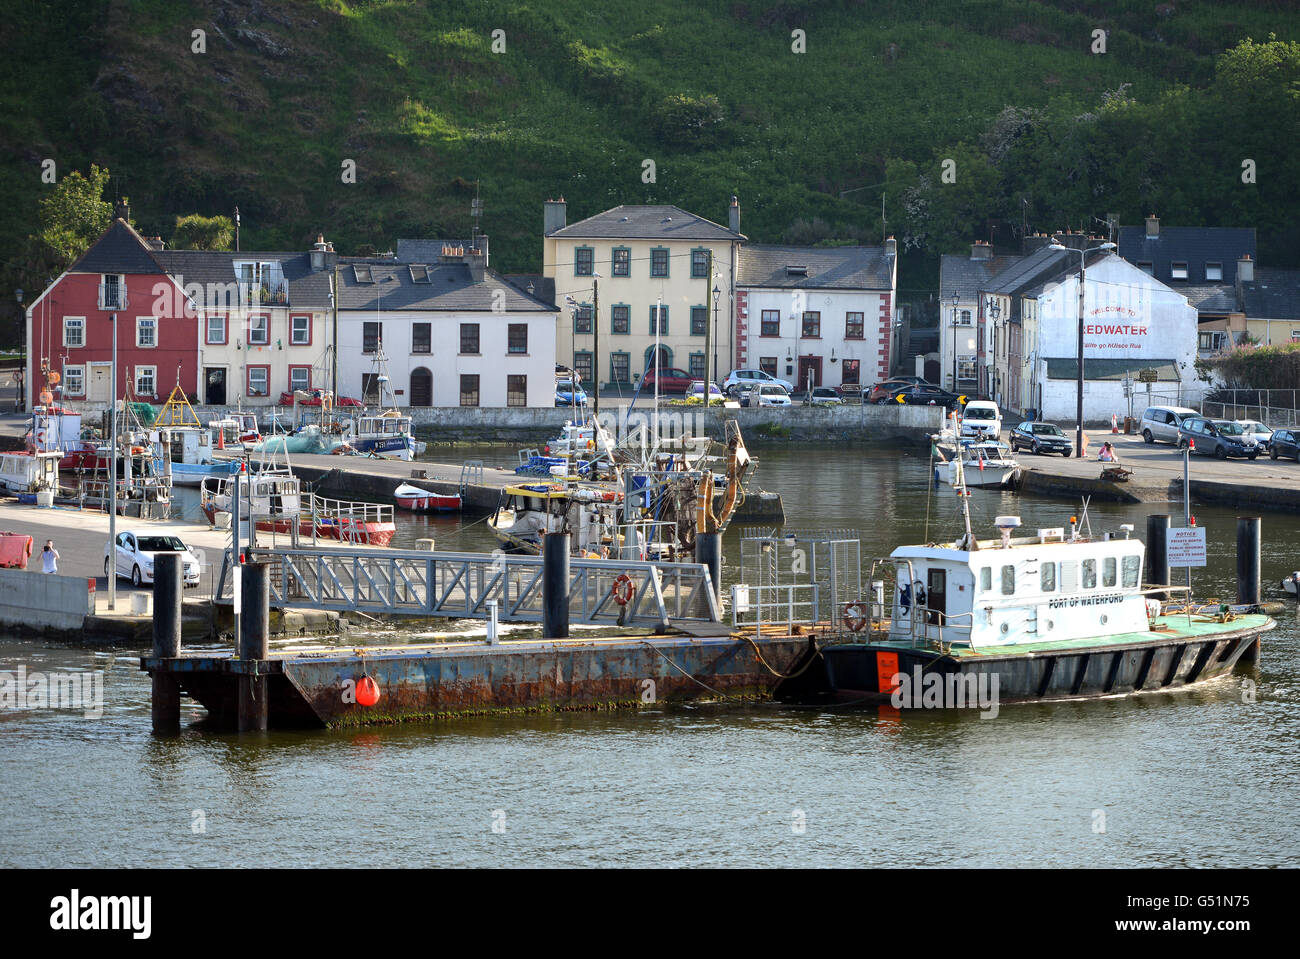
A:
x,y
1199,777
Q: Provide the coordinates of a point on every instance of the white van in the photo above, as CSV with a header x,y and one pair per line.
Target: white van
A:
x,y
981,417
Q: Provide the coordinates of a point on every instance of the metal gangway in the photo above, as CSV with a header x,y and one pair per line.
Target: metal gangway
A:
x,y
421,583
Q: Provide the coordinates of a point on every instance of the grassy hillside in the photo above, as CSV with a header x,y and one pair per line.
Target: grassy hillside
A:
x,y
585,93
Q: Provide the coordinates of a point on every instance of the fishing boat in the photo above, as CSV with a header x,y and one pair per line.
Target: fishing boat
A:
x,y
273,498
34,472
984,464
387,434
186,453
418,500
236,430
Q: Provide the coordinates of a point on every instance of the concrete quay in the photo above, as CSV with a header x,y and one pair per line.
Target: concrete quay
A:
x,y
1261,484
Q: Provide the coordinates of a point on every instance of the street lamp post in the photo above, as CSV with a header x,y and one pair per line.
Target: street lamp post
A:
x,y
954,341
595,344
994,310
18,376
717,293
1083,268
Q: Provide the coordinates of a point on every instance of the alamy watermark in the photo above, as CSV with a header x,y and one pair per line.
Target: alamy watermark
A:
x,y
20,689
921,690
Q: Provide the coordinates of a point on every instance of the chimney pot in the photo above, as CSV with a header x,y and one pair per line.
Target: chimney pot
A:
x,y
1153,226
733,215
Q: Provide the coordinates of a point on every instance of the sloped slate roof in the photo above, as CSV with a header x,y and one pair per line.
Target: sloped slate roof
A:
x,y
959,273
839,268
1273,295
543,286
1030,270
450,287
119,250
307,289
1193,244
1210,297
647,223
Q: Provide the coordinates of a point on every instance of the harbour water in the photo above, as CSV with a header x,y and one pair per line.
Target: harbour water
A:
x,y
1203,776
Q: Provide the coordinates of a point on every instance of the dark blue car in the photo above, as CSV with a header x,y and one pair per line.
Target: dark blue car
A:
x,y
567,393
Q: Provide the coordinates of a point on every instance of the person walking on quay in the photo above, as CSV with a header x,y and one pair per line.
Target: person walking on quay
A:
x,y
49,558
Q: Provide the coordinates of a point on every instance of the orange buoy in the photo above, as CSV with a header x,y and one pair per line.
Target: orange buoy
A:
x,y
54,379
46,397
367,691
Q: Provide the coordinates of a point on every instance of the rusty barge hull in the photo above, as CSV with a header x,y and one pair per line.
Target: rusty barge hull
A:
x,y
451,680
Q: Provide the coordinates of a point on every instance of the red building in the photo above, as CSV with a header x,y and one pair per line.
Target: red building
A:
x,y
70,326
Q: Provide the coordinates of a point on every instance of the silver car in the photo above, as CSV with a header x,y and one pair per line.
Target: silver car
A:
x,y
1162,422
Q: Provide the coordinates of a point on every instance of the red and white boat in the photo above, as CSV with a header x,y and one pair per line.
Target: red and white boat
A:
x,y
418,500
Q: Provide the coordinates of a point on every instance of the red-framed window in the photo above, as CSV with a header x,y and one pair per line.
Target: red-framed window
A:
x,y
259,329
257,380
299,377
217,331
300,329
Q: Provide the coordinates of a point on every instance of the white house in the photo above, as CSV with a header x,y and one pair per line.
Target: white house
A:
x,y
816,316
452,333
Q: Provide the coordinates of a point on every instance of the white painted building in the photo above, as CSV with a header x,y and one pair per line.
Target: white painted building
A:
x,y
453,334
816,316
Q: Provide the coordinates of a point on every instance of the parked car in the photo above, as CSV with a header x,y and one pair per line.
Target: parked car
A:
x,y
824,396
881,392
1284,443
1162,422
568,393
766,394
1258,430
1040,438
696,391
1221,438
136,551
919,394
737,378
671,380
981,418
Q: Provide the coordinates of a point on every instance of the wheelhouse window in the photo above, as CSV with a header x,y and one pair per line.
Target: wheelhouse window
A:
x,y
1089,574
1131,567
517,338
469,389
469,344
1008,580
659,262
771,323
372,333
854,326
620,319
986,579
421,337
1047,577
516,390
1108,569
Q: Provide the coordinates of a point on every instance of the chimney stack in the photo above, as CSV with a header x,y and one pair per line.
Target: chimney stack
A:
x,y
1153,227
155,243
891,246
979,250
123,210
1245,274
733,215
554,216
318,251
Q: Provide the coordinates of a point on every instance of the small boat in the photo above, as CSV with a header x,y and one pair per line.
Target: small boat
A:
x,y
387,434
417,500
986,464
30,472
1292,583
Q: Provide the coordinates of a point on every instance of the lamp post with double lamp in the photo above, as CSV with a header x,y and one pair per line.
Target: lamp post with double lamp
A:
x,y
955,299
994,310
1083,275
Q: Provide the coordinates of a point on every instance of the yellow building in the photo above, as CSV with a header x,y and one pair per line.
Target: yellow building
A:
x,y
643,262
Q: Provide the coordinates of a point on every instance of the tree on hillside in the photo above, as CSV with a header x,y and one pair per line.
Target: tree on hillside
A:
x,y
198,232
74,215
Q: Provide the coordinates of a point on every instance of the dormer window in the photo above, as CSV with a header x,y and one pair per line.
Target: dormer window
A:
x,y
1214,272
362,274
1178,270
419,273
795,270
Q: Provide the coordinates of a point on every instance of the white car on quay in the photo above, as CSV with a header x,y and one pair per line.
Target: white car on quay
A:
x,y
739,378
135,554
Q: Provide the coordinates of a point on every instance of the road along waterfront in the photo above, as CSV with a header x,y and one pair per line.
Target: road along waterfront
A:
x,y
1139,780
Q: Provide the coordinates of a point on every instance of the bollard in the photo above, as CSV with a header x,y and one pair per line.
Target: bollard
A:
x,y
555,586
708,550
168,592
1248,559
493,636
254,645
1157,555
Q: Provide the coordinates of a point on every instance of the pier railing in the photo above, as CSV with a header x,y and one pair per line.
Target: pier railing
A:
x,y
351,520
752,607
460,586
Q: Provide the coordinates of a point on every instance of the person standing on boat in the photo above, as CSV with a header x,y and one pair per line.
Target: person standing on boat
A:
x,y
49,558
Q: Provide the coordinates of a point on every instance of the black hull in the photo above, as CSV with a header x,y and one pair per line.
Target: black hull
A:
x,y
853,673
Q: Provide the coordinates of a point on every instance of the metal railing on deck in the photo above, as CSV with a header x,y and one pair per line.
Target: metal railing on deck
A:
x,y
752,607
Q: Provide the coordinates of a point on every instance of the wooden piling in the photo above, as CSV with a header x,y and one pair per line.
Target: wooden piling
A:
x,y
555,585
254,644
168,594
1248,559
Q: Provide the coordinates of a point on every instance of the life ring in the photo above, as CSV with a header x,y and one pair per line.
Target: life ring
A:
x,y
622,589
607,496
855,616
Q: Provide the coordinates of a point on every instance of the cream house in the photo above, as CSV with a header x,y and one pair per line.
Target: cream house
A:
x,y
625,274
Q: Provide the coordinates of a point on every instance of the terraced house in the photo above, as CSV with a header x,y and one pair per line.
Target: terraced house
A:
x,y
633,272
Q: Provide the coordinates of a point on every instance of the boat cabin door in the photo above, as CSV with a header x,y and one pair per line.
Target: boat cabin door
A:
x,y
937,595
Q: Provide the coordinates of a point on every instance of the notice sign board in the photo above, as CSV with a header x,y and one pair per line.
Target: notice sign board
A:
x,y
1185,546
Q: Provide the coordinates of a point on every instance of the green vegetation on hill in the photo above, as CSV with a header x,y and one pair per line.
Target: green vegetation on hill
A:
x,y
1042,131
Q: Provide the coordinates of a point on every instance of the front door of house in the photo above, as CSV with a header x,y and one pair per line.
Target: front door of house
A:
x,y
214,379
99,387
810,372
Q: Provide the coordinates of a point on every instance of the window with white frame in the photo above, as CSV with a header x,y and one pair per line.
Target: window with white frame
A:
x,y
146,332
1214,272
74,380
74,331
1178,270
300,378
300,330
259,330
216,328
146,379
258,380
